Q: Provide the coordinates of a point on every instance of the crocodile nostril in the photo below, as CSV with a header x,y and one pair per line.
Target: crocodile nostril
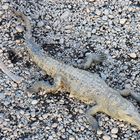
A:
x,y
129,115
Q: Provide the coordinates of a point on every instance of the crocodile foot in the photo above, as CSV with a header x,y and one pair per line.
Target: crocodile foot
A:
x,y
127,92
93,58
45,85
91,120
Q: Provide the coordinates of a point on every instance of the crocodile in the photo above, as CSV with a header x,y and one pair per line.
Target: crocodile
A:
x,y
88,87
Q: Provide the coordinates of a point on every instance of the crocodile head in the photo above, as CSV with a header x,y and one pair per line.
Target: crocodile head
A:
x,y
128,112
122,109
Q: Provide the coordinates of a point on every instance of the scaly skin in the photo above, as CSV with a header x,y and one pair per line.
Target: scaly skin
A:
x,y
83,85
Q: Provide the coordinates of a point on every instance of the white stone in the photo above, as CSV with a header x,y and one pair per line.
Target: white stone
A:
x,y
88,34
104,18
40,24
14,85
93,31
132,55
19,28
1,13
1,51
59,119
91,0
5,6
8,93
68,27
106,118
82,128
45,116
134,129
2,95
34,102
48,27
71,138
51,138
18,41
98,12
65,15
106,137
33,114
111,16
99,132
22,112
81,111
121,125
114,131
54,125
106,11
123,21
114,136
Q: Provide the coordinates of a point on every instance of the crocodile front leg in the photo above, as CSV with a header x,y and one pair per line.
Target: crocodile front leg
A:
x,y
45,85
91,120
93,58
127,92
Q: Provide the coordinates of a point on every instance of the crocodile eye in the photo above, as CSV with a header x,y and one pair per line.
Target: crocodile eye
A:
x,y
129,115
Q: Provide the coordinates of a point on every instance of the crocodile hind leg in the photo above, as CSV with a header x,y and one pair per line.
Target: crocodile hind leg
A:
x,y
91,120
127,92
45,85
93,58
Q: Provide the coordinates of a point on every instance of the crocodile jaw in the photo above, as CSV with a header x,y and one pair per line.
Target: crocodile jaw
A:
x,y
132,116
128,112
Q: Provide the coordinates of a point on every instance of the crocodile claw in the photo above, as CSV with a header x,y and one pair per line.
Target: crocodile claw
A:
x,y
136,96
92,122
94,58
101,57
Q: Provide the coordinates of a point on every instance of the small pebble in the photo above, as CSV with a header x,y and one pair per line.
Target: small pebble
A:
x,y
34,102
40,24
98,12
19,28
48,27
106,137
18,41
114,136
123,21
114,131
121,125
1,115
93,31
99,132
2,95
5,6
134,129
59,119
45,116
71,138
132,55
50,138
104,18
88,34
1,51
65,15
1,13
54,125
22,112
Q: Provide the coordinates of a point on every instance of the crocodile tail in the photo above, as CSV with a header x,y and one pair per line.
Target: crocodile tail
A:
x,y
25,20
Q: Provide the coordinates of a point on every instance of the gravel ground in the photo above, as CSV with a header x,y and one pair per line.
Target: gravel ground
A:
x,y
67,29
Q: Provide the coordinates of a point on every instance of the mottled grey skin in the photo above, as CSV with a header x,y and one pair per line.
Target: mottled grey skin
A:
x,y
81,84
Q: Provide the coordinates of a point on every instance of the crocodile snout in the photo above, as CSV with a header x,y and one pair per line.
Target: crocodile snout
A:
x,y
130,114
123,110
